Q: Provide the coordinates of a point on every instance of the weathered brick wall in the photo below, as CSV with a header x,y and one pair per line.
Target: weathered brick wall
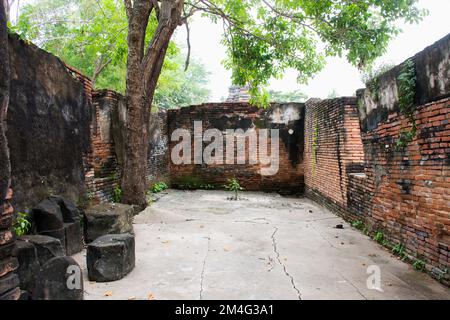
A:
x,y
104,171
9,282
48,126
158,169
107,143
333,148
287,118
65,138
406,193
403,193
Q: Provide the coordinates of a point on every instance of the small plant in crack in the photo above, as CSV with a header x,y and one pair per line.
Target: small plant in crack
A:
x,y
117,194
399,250
233,186
419,265
379,237
358,224
159,187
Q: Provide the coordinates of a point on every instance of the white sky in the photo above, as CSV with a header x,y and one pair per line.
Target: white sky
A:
x,y
338,74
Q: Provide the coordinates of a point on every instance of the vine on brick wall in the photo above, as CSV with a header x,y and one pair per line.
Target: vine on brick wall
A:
x,y
315,138
374,88
407,81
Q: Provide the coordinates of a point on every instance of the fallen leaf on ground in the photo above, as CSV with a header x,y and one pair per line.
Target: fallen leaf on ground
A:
x,y
226,249
132,298
150,296
108,293
166,241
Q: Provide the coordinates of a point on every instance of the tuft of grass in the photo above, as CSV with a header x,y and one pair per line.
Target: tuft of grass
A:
x,y
379,237
159,187
117,194
358,224
419,265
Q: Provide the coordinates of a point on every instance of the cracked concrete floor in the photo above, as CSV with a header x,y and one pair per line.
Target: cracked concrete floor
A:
x,y
199,245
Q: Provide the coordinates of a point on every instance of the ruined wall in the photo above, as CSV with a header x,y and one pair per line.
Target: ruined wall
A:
x,y
288,118
407,193
158,168
107,141
402,192
48,126
333,148
65,138
9,281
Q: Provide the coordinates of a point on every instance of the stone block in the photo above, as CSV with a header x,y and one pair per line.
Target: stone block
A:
x,y
29,266
69,210
60,278
110,257
47,216
74,237
108,218
46,247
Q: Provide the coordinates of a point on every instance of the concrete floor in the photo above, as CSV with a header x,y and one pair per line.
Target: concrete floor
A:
x,y
199,245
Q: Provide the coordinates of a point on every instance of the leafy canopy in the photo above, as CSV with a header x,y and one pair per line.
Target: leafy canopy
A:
x,y
266,37
91,35
263,38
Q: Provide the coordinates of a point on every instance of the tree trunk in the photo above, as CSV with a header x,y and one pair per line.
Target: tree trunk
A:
x,y
143,72
5,166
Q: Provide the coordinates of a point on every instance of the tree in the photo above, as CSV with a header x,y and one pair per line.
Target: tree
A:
x,y
90,35
179,88
290,96
333,94
263,39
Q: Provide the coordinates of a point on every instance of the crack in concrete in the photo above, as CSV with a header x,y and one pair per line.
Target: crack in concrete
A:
x,y
202,276
274,245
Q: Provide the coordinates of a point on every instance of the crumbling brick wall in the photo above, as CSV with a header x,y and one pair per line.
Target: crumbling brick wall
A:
x,y
66,138
333,148
158,169
401,192
107,144
287,118
48,126
9,281
405,193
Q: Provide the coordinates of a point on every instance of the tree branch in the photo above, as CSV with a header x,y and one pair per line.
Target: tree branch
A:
x,y
157,9
188,41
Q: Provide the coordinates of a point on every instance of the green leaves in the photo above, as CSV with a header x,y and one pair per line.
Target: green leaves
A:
x,y
276,35
117,194
91,35
234,186
158,187
406,82
21,225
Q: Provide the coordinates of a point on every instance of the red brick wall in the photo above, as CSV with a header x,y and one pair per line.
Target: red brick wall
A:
x,y
332,129
408,192
104,172
225,116
104,166
404,194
